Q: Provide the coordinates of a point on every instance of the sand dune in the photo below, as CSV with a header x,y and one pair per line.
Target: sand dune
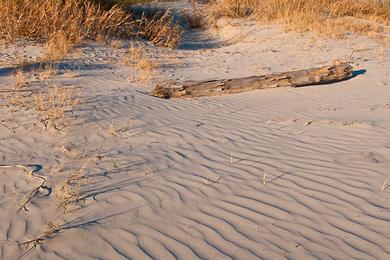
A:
x,y
274,174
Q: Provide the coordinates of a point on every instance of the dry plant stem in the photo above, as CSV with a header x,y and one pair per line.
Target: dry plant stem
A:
x,y
384,186
13,131
323,75
53,228
58,224
69,192
31,195
265,179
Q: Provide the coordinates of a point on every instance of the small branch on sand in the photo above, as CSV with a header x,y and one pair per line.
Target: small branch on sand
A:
x,y
384,186
30,172
13,131
299,78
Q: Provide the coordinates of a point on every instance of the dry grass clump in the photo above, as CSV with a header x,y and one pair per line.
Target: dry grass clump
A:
x,y
160,29
139,57
57,47
47,71
53,103
232,8
69,192
76,20
21,78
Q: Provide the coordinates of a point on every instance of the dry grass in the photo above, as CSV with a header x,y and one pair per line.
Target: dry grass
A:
x,y
47,71
140,58
231,8
44,19
21,78
116,44
333,18
61,24
160,29
53,103
69,192
57,47
70,74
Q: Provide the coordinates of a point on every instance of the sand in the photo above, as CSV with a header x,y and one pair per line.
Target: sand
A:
x,y
274,174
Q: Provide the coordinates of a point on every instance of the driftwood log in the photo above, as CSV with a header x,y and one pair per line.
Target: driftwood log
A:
x,y
299,78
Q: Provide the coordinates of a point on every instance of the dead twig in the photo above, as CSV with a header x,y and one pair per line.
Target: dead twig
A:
x,y
30,172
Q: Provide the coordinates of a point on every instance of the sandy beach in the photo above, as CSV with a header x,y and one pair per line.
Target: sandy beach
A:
x,y
285,173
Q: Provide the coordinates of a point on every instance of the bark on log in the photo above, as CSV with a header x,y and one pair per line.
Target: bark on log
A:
x,y
299,78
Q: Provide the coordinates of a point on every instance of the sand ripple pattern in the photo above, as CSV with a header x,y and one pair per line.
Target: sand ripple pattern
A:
x,y
273,174
231,178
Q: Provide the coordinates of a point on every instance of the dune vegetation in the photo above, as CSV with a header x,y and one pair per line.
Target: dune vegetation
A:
x,y
329,17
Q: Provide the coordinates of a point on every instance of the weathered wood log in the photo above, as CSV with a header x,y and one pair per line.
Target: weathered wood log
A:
x,y
299,78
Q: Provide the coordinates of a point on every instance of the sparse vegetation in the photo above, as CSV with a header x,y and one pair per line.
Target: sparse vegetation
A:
x,y
57,47
67,195
50,100
140,58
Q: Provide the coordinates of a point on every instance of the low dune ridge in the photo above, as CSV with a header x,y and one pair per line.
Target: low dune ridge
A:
x,y
94,167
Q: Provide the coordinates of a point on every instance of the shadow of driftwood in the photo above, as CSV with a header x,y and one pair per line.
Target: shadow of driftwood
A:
x,y
356,73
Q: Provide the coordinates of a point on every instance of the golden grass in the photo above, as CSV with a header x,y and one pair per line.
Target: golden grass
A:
x,y
160,29
43,20
70,74
333,18
329,17
62,24
116,44
139,57
57,47
47,71
231,8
